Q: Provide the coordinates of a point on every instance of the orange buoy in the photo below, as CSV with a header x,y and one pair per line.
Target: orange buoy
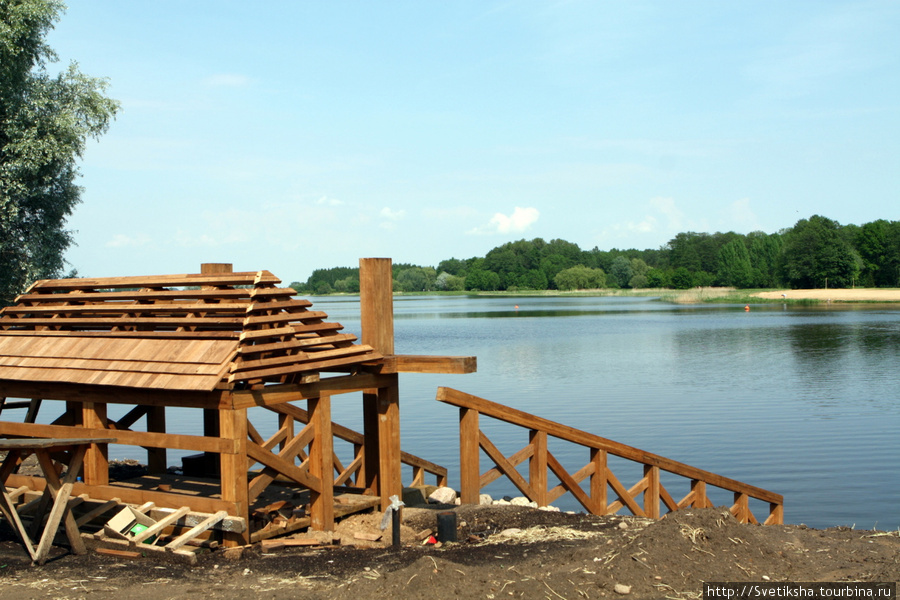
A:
x,y
747,308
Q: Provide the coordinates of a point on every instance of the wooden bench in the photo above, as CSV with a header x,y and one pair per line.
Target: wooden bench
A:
x,y
56,495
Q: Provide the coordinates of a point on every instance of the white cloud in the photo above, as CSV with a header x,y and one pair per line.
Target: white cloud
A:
x,y
120,240
393,215
329,201
227,80
520,220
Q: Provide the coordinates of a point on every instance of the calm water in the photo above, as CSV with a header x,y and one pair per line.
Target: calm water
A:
x,y
801,401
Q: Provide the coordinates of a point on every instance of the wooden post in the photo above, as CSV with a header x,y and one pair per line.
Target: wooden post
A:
x,y
321,451
699,489
469,457
376,304
211,427
537,466
233,426
599,483
156,457
96,459
651,494
381,407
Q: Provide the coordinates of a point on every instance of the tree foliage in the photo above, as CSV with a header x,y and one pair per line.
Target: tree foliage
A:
x,y
813,252
45,122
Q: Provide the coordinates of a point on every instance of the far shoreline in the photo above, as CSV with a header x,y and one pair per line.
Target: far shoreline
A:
x,y
698,295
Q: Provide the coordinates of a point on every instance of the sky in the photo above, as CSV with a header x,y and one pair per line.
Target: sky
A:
x,y
291,136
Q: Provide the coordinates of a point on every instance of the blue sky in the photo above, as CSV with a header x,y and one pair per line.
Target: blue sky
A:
x,y
289,136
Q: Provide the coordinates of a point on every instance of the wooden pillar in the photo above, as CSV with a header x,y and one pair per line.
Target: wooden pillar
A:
x,y
321,465
699,490
469,457
537,466
156,457
211,426
651,494
599,483
96,459
381,407
233,426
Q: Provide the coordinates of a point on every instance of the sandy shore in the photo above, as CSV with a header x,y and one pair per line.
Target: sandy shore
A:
x,y
837,295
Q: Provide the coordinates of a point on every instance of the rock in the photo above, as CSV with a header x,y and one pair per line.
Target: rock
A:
x,y
501,502
523,501
622,589
623,525
443,495
549,508
485,500
417,495
233,553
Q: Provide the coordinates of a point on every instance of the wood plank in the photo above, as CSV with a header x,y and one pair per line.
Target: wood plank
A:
x,y
298,303
351,358
128,438
409,363
321,453
154,281
376,304
196,530
238,296
294,344
160,525
279,394
283,467
283,317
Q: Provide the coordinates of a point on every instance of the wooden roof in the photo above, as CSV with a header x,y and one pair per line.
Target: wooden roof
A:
x,y
178,332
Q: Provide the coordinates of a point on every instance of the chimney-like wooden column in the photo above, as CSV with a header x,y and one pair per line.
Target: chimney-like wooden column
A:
x,y
381,407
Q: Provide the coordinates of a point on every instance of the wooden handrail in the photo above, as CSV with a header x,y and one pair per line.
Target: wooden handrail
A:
x,y
420,466
540,459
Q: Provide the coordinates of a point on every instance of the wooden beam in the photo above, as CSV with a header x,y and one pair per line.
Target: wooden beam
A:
x,y
279,394
233,427
96,459
376,304
321,451
469,456
411,363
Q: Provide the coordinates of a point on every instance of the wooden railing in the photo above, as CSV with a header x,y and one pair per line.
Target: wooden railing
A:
x,y
349,475
540,460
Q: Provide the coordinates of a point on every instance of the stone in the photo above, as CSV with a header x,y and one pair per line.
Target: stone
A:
x,y
485,500
549,508
623,525
443,495
622,589
233,553
417,495
523,501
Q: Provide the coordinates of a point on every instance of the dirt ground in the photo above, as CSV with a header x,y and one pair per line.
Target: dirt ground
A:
x,y
837,295
502,552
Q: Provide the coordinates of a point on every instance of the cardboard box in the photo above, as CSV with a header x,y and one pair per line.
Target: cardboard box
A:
x,y
128,523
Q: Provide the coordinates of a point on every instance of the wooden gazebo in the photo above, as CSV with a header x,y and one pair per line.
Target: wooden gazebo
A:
x,y
222,342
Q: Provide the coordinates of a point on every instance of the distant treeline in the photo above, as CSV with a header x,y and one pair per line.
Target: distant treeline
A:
x,y
815,253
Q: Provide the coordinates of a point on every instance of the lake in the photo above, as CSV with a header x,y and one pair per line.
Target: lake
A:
x,y
801,401
798,400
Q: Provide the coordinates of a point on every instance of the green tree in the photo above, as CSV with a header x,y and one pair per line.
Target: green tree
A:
x,y
734,265
817,255
45,122
620,271
682,279
580,277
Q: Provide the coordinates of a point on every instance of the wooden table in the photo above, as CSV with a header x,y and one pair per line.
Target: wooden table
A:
x,y
56,492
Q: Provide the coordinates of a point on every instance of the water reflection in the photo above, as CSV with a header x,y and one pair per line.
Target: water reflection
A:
x,y
798,400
